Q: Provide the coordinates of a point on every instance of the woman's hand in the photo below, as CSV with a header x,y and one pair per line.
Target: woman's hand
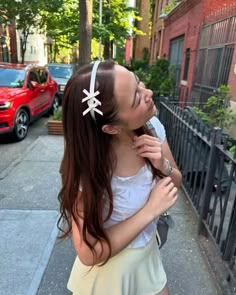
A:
x,y
162,197
150,147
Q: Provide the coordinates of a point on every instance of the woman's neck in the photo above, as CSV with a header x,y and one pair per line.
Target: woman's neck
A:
x,y
124,139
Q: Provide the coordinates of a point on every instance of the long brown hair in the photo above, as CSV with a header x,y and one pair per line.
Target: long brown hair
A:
x,y
88,161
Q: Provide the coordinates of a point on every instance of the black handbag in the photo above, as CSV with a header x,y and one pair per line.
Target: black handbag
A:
x,y
165,222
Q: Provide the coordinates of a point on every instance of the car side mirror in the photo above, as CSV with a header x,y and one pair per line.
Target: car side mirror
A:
x,y
34,84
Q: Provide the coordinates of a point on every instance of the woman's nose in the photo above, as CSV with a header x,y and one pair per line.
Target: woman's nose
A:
x,y
148,95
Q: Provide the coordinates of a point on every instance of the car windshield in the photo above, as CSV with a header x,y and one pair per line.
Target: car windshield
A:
x,y
60,72
12,78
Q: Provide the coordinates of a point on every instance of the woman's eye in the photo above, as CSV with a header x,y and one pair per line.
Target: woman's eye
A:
x,y
138,98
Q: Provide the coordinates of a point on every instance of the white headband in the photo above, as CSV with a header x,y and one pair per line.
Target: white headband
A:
x,y
92,101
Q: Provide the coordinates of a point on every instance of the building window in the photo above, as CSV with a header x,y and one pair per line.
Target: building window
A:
x,y
186,67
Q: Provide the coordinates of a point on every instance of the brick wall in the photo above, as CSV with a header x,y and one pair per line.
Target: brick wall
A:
x,y
157,33
214,10
10,41
13,46
189,25
143,41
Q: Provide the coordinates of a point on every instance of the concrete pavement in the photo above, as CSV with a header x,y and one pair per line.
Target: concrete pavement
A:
x,y
33,262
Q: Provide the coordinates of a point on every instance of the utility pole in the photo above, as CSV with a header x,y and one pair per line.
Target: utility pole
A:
x,y
100,24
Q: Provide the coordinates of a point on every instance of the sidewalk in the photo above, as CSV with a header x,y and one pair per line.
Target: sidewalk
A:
x,y
34,262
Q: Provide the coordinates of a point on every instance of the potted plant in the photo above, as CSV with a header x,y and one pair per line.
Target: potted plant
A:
x,y
55,123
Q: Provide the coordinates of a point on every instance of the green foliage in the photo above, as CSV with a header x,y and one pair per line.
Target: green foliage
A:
x,y
142,64
159,77
116,25
169,7
57,116
62,28
28,15
120,55
217,111
144,76
141,67
162,78
233,149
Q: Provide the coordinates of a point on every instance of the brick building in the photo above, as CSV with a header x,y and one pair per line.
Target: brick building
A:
x,y
199,40
142,41
180,44
157,31
8,48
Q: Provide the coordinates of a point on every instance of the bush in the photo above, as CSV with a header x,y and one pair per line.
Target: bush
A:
x,y
233,149
57,116
216,111
162,78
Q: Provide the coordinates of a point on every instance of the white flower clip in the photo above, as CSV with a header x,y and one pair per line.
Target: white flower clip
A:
x,y
91,99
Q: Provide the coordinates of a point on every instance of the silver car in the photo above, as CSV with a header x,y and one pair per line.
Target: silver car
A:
x,y
61,73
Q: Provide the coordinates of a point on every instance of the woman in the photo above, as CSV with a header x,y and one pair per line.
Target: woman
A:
x,y
117,180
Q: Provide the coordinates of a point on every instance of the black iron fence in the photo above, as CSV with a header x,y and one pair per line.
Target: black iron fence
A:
x,y
214,57
209,176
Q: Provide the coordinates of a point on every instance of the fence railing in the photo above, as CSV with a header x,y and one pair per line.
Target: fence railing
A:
x,y
209,177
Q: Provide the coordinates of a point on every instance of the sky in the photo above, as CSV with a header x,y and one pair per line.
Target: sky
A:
x,y
131,3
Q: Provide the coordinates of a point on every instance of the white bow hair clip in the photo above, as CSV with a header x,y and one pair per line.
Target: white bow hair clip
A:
x,y
91,99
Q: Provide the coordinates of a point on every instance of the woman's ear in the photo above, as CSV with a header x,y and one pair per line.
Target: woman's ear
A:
x,y
110,129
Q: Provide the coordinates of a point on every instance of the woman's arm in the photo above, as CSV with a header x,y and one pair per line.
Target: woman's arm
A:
x,y
175,175
162,197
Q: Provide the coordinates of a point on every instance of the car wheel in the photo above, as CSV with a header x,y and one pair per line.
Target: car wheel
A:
x,y
21,125
56,104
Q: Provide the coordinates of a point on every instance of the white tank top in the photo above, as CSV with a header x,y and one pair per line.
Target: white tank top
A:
x,y
131,193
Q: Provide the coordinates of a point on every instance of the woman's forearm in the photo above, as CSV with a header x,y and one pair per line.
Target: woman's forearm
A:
x,y
176,177
120,235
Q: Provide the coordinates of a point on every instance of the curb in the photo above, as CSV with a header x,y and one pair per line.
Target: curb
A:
x,y
44,260
17,161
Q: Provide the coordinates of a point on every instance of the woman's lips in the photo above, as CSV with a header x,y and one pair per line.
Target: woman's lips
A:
x,y
151,105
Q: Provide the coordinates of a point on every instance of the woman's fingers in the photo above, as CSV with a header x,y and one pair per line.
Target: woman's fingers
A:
x,y
164,181
173,192
149,148
171,186
146,140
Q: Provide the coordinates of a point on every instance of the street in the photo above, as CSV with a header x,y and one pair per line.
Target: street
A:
x,y
11,151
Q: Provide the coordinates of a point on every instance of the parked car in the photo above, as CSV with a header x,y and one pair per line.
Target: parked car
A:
x,y
26,93
61,73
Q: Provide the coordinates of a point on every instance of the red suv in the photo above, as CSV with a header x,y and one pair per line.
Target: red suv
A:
x,y
26,93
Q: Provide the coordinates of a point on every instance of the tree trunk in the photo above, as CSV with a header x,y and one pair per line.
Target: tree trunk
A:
x,y
108,49
85,31
23,43
55,51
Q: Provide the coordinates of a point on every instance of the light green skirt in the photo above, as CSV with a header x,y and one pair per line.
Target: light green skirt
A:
x,y
134,271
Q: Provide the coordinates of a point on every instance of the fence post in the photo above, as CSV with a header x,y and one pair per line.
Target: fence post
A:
x,y
231,236
160,109
209,182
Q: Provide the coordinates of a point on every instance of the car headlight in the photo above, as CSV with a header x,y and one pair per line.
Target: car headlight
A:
x,y
5,106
